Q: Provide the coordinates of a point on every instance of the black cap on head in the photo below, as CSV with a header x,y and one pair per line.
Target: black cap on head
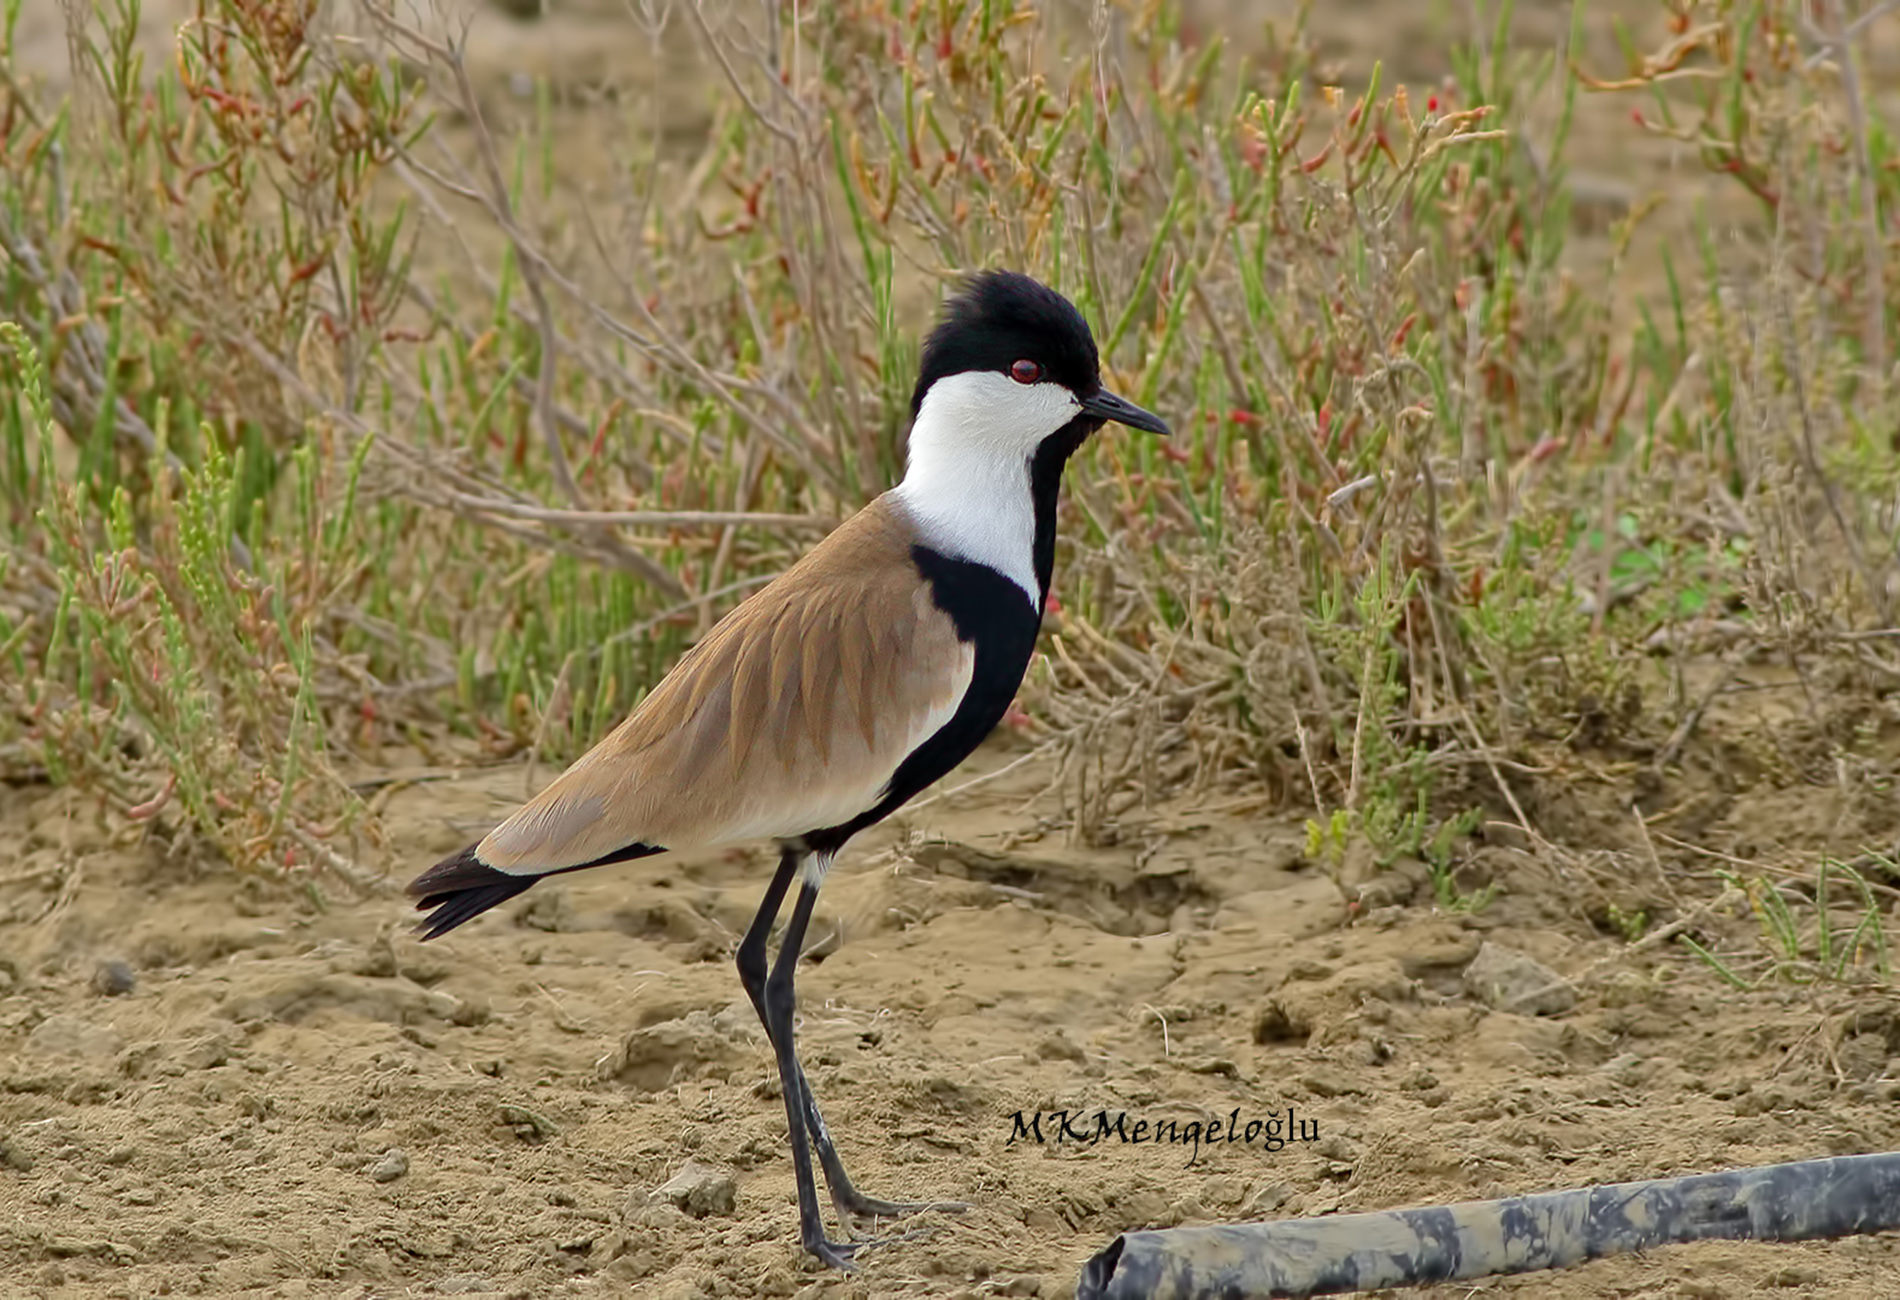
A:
x,y
997,318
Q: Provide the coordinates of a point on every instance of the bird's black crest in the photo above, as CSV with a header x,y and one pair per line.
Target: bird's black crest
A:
x,y
997,318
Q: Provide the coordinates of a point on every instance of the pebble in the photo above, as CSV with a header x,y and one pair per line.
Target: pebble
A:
x,y
1509,980
15,1157
1269,1198
699,1190
113,979
1323,1082
1058,1046
393,1165
1275,1022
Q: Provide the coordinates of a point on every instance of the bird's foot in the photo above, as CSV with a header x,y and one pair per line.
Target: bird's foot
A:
x,y
842,1255
854,1204
836,1254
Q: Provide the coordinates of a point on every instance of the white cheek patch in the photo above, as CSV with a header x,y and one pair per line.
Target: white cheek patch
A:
x,y
986,412
967,484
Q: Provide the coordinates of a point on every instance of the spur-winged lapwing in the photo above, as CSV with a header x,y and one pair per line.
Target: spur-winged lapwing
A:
x,y
860,676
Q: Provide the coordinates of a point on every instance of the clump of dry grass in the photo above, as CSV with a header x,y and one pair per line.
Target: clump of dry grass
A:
x,y
385,432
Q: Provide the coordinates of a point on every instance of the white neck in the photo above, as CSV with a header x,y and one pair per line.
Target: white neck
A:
x,y
980,512
966,487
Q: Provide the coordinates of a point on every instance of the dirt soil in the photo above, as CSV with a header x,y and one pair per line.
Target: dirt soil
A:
x,y
210,1089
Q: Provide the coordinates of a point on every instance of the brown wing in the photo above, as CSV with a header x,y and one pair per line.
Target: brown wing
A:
x,y
789,717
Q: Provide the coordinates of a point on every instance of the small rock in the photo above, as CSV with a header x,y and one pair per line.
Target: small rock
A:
x,y
1441,950
1337,1148
470,1011
1331,1083
699,1190
1275,1022
205,1053
14,1156
658,1056
463,1284
1059,1047
1394,888
1213,1065
652,1216
393,1165
1509,980
71,1036
1270,1198
113,979
1223,1190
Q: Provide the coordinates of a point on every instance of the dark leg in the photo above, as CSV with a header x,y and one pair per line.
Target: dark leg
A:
x,y
779,1004
751,956
847,1199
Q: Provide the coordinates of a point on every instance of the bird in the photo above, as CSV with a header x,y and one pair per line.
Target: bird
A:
x,y
861,675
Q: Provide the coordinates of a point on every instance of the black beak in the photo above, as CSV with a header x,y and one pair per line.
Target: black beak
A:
x,y
1104,405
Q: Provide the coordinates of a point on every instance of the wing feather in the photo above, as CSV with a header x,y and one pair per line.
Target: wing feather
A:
x,y
789,717
752,691
823,629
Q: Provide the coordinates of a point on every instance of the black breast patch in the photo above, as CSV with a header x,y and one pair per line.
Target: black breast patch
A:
x,y
991,613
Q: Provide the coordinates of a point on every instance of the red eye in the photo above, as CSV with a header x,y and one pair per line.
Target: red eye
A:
x,y
1025,372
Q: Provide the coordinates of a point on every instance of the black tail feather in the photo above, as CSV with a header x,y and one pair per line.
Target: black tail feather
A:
x,y
465,905
461,887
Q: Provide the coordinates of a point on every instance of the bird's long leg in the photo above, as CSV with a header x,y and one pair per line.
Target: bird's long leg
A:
x,y
751,955
846,1198
780,1003
752,971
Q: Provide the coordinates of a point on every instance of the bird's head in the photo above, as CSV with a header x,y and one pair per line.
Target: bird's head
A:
x,y
1010,367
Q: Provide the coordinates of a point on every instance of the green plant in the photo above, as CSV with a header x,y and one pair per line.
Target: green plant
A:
x,y
381,393
184,659
1630,924
1798,937
1777,103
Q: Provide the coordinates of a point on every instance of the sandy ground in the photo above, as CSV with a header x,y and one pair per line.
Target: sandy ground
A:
x,y
213,1090
270,1101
